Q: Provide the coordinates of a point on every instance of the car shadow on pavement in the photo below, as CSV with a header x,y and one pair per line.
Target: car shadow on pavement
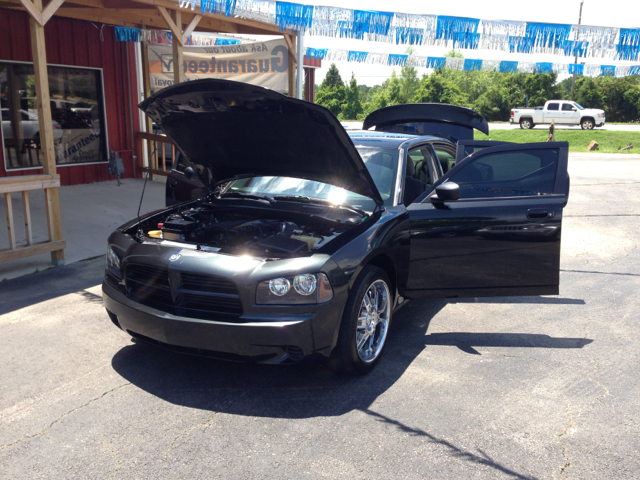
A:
x,y
303,391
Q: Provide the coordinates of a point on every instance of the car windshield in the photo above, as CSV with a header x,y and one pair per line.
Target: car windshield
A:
x,y
381,163
579,107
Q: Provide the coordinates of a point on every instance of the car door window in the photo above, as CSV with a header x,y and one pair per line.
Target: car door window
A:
x,y
553,106
421,158
446,158
567,107
508,174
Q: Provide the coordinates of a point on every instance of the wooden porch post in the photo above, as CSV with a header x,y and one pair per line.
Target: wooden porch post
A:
x,y
46,127
176,45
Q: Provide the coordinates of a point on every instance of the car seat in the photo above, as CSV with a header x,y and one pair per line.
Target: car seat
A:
x,y
413,187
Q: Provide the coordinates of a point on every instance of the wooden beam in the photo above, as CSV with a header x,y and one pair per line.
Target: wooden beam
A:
x,y
43,104
177,49
50,9
190,28
35,249
290,44
34,11
27,216
291,71
175,31
10,226
30,182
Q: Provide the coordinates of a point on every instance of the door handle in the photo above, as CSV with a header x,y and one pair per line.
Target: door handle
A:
x,y
536,213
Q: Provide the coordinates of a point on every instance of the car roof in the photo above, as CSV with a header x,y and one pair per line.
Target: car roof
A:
x,y
369,138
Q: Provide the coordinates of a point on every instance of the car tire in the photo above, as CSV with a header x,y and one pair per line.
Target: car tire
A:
x,y
587,124
365,323
526,124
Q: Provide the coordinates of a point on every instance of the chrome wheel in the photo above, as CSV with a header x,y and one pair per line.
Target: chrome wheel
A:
x,y
373,321
587,125
525,124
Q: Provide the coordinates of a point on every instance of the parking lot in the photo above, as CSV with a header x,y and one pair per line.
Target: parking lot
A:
x,y
519,387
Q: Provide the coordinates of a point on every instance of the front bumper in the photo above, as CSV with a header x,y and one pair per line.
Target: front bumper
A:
x,y
276,338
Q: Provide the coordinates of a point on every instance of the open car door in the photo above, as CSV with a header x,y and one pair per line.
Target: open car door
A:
x,y
502,236
469,147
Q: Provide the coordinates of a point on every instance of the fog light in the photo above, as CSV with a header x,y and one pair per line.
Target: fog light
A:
x,y
305,284
279,286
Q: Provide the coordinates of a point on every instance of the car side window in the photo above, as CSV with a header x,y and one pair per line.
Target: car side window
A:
x,y
508,174
446,158
567,107
553,106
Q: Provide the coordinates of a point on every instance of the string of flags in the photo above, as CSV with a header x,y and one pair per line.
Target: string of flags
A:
x,y
434,30
128,34
467,64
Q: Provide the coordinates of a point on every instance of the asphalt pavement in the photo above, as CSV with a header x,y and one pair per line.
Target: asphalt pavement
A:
x,y
519,387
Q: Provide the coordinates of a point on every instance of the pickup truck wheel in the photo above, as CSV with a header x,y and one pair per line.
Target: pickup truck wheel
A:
x,y
587,124
365,323
526,124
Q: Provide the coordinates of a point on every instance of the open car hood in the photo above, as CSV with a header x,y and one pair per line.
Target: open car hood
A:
x,y
437,119
235,129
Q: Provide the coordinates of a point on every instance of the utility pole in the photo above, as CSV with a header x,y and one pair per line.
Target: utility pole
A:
x,y
573,80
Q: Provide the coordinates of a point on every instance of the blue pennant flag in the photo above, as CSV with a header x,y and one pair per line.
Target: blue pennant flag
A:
x,y
400,60
227,41
576,68
468,41
293,17
508,67
628,52
608,70
634,70
574,48
409,35
548,35
544,67
472,65
630,36
126,34
316,53
436,62
523,44
218,7
357,56
376,23
447,26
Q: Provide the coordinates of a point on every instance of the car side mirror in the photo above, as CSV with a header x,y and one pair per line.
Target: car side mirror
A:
x,y
189,173
574,109
446,192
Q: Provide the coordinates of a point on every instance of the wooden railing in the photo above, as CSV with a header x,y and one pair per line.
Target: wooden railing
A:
x,y
161,155
25,184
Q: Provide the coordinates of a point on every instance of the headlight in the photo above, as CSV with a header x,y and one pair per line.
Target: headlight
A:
x,y
113,261
307,289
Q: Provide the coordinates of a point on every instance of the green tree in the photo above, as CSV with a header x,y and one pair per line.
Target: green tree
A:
x,y
332,92
439,89
352,107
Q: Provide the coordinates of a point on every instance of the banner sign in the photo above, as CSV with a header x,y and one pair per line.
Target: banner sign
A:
x,y
260,63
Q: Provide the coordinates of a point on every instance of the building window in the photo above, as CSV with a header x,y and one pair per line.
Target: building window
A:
x,y
77,111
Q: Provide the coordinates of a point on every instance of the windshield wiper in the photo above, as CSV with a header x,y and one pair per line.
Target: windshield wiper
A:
x,y
321,201
250,196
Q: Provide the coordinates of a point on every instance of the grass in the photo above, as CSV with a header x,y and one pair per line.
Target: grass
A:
x,y
578,139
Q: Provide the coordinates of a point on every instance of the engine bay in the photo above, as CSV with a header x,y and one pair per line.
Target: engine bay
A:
x,y
229,230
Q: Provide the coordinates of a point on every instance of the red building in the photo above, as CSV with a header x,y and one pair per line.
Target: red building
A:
x,y
104,112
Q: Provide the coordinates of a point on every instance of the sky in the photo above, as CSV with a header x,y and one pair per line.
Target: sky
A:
x,y
606,13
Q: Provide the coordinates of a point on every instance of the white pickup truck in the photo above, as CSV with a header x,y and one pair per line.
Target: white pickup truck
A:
x,y
561,112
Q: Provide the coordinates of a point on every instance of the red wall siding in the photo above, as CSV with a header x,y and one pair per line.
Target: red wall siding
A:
x,y
78,43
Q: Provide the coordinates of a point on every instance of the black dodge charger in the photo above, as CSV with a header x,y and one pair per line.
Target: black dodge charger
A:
x,y
285,237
